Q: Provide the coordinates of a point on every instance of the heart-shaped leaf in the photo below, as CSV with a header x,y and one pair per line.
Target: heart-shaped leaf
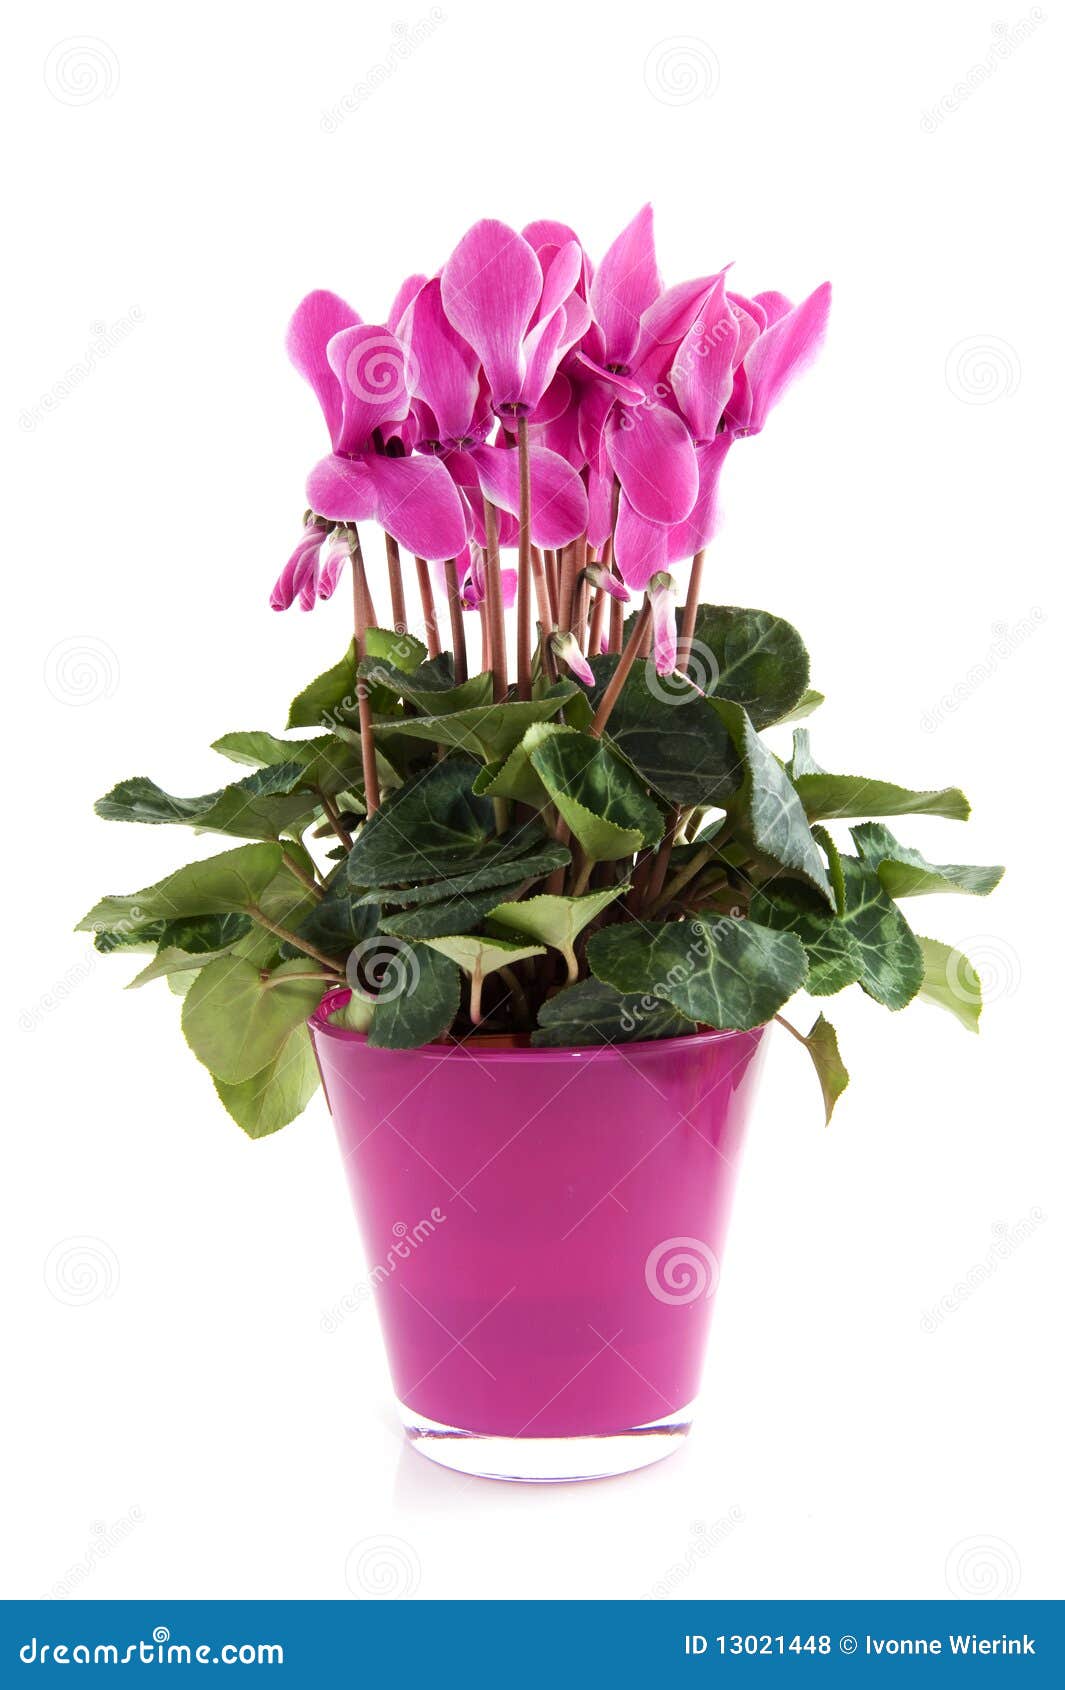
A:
x,y
766,810
680,745
951,981
233,881
272,1098
833,954
905,873
601,800
719,972
419,994
261,806
891,964
592,1013
835,797
236,1022
751,658
556,921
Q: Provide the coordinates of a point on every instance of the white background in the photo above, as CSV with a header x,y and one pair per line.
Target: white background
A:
x,y
903,508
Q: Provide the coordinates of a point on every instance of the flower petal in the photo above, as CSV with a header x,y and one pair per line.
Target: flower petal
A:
x,y
785,349
653,457
490,287
624,285
315,321
340,489
408,291
697,529
639,546
294,574
701,373
665,323
371,367
567,651
559,502
662,592
417,503
444,369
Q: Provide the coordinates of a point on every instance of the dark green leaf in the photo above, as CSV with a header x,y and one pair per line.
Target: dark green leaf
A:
x,y
721,972
681,747
433,826
906,874
458,914
751,658
891,965
418,999
432,687
514,857
833,954
261,806
833,797
488,731
592,1013
205,932
330,698
602,802
766,811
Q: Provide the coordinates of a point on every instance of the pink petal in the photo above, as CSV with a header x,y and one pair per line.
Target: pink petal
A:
x,y
773,306
600,577
542,351
560,278
701,373
508,582
340,489
783,351
490,288
639,546
559,502
566,649
330,572
417,503
444,371
665,323
314,323
697,529
624,286
546,237
408,291
662,592
370,365
294,573
653,457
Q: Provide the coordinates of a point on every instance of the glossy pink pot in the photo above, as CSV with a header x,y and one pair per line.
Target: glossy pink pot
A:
x,y
544,1231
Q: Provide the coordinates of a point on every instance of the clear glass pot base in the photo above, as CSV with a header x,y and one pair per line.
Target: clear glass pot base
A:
x,y
545,1460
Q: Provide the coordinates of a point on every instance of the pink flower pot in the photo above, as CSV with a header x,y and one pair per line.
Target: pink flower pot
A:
x,y
544,1230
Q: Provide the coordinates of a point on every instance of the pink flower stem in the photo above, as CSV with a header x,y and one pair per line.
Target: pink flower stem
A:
x,y
395,585
361,594
524,564
458,631
628,657
425,589
691,606
495,604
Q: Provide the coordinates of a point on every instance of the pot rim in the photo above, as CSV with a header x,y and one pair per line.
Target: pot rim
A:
x,y
485,1048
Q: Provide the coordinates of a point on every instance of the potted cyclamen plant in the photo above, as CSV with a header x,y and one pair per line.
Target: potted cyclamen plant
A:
x,y
536,919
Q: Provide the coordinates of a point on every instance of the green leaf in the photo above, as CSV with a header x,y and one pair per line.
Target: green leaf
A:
x,y
489,731
515,859
169,960
514,778
835,865
355,1015
237,1023
951,981
129,936
478,955
433,826
205,932
834,797
766,811
808,703
555,921
802,760
599,798
261,806
419,1002
680,746
261,749
400,650
891,965
232,881
272,1098
751,658
458,914
906,874
330,698
432,687
721,972
823,1048
833,954
592,1013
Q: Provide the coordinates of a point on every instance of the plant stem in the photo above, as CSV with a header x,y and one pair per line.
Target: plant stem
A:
x,y
301,874
362,691
545,567
458,630
425,590
524,564
290,938
662,856
476,982
691,606
395,585
621,673
517,990
334,820
283,979
495,604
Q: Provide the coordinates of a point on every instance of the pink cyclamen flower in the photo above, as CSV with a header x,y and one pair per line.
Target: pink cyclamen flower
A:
x,y
473,580
597,576
300,577
662,592
359,374
519,319
567,651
